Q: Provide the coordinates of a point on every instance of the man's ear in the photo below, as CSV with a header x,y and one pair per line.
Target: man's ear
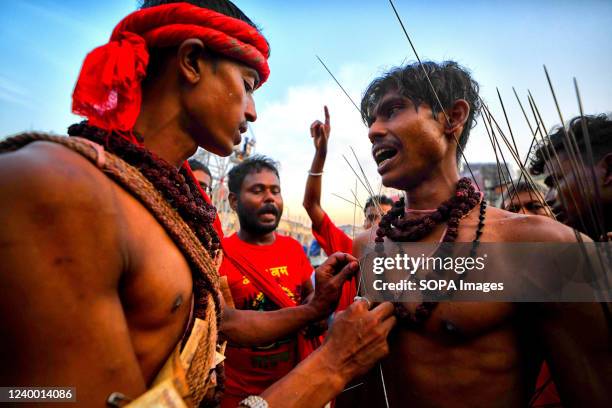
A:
x,y
233,201
189,60
457,116
606,165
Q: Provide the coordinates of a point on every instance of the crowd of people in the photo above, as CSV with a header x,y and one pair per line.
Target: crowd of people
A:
x,y
118,280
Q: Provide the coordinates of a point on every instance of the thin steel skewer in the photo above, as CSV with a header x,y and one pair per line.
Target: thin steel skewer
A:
x,y
571,154
515,156
416,54
546,146
357,175
382,379
346,199
341,87
531,146
590,156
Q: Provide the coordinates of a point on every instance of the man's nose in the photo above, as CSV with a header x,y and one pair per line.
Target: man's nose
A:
x,y
377,130
551,197
269,196
251,112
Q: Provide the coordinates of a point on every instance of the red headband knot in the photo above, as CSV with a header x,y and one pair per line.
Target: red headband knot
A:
x,y
108,91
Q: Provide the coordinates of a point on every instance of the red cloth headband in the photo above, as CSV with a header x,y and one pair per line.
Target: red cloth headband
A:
x,y
108,90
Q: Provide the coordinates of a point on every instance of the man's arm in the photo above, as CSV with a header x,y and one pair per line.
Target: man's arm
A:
x,y
576,337
248,327
356,341
312,195
62,321
576,341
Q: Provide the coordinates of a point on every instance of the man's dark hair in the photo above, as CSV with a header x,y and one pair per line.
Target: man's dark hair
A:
x,y
157,56
381,199
513,190
450,82
198,165
599,128
220,6
253,164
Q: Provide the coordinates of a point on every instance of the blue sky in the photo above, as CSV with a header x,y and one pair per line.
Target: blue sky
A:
x,y
43,43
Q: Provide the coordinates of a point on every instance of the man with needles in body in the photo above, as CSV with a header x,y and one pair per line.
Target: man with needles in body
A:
x,y
456,354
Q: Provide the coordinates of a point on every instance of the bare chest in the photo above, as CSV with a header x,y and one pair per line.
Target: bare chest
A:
x,y
156,292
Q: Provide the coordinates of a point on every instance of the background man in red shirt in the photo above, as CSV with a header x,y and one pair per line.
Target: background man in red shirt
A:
x,y
259,263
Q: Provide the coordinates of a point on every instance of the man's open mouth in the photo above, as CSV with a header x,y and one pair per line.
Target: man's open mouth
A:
x,y
382,154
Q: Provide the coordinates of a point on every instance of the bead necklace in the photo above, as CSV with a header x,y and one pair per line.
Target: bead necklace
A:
x,y
398,228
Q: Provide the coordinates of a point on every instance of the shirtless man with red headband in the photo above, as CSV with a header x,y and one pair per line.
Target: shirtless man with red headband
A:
x,y
108,243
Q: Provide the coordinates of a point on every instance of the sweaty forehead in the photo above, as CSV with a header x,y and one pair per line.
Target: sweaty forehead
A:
x,y
392,95
263,176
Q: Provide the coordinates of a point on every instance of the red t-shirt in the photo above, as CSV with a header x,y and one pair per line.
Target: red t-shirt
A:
x,y
250,370
331,238
548,395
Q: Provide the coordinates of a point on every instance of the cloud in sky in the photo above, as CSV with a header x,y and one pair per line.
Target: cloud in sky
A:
x,y
283,133
13,93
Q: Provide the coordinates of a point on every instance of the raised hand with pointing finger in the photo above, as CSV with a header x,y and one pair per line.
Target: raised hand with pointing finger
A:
x,y
319,132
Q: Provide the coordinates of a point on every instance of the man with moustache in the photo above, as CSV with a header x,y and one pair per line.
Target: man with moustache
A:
x,y
259,262
465,354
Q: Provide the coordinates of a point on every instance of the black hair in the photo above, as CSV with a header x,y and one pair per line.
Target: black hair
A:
x,y
450,82
253,164
198,165
380,199
220,6
599,129
513,190
157,56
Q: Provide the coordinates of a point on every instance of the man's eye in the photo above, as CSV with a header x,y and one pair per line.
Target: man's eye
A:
x,y
393,110
249,88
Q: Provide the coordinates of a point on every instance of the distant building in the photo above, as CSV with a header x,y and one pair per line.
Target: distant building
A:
x,y
487,176
296,230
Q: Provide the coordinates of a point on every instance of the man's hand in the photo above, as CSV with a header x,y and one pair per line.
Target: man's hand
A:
x,y
358,338
320,133
356,341
329,278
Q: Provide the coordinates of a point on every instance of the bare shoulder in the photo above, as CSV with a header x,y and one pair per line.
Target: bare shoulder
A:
x,y
55,204
511,227
361,240
45,167
63,257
